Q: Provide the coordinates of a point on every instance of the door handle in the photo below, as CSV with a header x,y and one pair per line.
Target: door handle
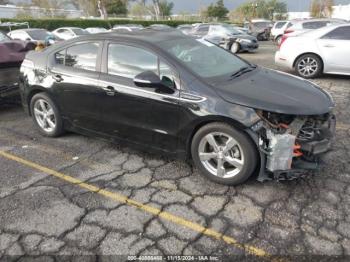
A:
x,y
57,78
329,46
110,91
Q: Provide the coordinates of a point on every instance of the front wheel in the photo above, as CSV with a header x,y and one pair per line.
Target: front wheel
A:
x,y
235,47
223,154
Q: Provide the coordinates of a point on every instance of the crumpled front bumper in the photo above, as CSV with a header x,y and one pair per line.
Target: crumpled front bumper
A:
x,y
297,166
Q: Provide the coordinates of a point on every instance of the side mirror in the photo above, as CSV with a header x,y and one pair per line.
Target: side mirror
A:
x,y
147,79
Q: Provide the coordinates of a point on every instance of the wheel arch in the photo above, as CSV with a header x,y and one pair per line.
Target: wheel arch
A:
x,y
36,90
206,121
309,53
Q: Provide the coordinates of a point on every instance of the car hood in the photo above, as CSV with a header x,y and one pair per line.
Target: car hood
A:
x,y
275,91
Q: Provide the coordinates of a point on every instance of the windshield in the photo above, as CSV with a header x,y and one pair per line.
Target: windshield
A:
x,y
203,58
39,34
3,37
232,30
79,31
262,24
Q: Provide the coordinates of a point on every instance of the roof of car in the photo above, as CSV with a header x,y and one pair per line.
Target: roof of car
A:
x,y
28,29
320,20
69,27
147,35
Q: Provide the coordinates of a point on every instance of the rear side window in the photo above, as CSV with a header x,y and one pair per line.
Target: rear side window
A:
x,y
341,33
280,25
82,56
129,61
203,29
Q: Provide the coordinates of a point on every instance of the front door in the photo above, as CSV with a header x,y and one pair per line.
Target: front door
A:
x,y
137,114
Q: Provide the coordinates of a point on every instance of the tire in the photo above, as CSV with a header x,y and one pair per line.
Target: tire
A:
x,y
314,63
278,40
46,115
235,47
243,154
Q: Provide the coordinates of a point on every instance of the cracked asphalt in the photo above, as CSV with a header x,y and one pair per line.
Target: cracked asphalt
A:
x,y
49,218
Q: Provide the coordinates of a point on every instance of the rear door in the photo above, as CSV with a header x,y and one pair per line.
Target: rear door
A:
x,y
75,75
335,50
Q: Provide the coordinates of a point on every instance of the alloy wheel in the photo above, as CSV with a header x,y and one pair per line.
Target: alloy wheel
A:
x,y
308,66
235,48
221,155
44,115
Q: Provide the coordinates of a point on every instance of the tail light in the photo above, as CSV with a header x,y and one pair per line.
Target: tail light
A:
x,y
288,31
284,38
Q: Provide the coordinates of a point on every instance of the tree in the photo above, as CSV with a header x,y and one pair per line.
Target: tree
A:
x,y
165,8
139,10
217,10
267,9
117,7
321,8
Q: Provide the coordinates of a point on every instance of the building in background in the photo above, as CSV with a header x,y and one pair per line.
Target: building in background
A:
x,y
341,11
12,11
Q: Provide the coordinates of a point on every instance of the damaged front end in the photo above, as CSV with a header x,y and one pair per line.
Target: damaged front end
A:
x,y
291,146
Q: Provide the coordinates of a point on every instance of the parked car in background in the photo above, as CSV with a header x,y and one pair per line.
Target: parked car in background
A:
x,y
325,50
35,35
304,26
4,37
96,30
171,93
160,26
127,28
12,53
67,33
242,29
228,37
185,28
260,28
278,30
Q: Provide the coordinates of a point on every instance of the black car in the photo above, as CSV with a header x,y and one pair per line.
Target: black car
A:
x,y
226,36
168,92
261,29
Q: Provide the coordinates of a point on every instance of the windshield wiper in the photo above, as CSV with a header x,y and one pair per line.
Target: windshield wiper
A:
x,y
243,70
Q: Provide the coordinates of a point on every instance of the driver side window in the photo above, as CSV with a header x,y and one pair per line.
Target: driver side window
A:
x,y
129,61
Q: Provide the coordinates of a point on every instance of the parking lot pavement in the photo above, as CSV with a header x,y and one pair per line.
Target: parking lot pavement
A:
x,y
78,195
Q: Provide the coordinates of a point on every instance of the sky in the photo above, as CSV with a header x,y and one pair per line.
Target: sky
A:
x,y
192,6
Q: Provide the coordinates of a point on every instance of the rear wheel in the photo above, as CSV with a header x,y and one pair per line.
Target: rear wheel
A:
x,y
224,154
309,66
46,115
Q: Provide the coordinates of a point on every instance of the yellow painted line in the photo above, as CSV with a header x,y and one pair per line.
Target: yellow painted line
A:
x,y
149,209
